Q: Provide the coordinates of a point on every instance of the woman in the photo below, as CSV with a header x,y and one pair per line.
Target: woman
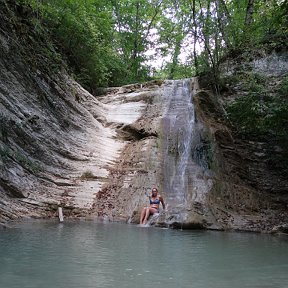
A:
x,y
155,200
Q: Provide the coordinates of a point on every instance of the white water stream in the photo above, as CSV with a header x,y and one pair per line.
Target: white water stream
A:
x,y
183,177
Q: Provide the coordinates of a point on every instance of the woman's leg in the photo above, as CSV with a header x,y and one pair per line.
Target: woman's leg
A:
x,y
143,213
147,214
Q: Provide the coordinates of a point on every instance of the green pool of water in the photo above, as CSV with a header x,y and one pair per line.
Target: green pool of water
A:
x,y
88,254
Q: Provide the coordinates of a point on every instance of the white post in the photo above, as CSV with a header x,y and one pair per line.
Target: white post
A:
x,y
60,214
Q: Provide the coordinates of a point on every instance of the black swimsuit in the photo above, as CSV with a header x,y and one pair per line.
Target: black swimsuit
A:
x,y
157,202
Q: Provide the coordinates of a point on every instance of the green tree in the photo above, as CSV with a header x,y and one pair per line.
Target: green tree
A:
x,y
135,21
106,42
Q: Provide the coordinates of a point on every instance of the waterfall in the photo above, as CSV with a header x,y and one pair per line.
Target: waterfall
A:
x,y
180,137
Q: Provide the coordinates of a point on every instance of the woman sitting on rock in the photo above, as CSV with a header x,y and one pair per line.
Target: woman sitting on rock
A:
x,y
155,200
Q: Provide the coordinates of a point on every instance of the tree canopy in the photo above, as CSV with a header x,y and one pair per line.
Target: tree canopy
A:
x,y
109,42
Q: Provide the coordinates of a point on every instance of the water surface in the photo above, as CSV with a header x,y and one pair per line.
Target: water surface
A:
x,y
89,254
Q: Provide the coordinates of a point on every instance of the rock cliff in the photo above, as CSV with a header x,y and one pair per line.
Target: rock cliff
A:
x,y
97,157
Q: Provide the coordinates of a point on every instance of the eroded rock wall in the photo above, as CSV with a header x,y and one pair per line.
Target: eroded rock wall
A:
x,y
208,177
159,154
99,157
49,141
244,194
54,147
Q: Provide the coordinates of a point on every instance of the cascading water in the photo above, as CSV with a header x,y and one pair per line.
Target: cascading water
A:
x,y
181,119
183,181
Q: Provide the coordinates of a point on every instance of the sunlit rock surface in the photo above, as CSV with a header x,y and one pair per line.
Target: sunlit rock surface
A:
x,y
98,157
180,145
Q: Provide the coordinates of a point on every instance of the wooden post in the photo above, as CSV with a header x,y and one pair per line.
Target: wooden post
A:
x,y
60,214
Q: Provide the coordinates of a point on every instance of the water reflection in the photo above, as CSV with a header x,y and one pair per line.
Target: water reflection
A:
x,y
90,254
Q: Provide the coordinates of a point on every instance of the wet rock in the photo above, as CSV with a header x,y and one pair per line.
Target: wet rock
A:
x,y
280,229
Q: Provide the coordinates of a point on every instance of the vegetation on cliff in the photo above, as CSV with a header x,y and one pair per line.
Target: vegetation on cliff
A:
x,y
111,42
260,113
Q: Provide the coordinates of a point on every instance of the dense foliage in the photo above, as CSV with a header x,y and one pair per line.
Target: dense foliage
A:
x,y
262,115
263,112
109,42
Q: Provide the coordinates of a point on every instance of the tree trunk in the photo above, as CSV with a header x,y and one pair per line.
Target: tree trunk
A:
x,y
135,52
249,12
205,31
195,37
223,19
175,58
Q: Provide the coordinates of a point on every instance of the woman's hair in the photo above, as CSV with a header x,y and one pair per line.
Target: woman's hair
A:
x,y
154,189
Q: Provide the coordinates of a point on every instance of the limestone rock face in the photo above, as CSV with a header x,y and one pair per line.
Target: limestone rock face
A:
x,y
206,176
162,153
99,157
